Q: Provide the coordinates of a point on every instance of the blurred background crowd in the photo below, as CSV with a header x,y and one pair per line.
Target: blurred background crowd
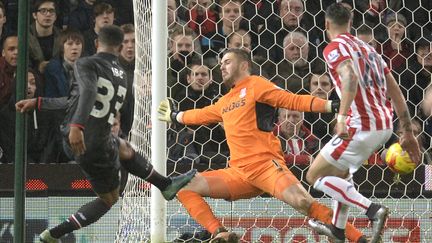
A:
x,y
285,39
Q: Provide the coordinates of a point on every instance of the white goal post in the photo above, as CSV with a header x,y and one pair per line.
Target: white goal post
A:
x,y
143,211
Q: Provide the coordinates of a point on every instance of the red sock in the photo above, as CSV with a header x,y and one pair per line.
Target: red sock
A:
x,y
199,210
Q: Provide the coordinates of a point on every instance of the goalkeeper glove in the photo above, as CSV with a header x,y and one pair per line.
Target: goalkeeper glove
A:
x,y
335,106
167,112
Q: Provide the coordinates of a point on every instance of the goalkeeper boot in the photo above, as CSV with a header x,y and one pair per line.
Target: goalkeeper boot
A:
x,y
177,183
223,236
47,238
378,223
325,229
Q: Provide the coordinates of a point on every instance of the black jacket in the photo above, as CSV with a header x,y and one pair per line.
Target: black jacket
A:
x,y
98,91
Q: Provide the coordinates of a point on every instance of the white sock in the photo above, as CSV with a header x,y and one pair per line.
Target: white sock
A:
x,y
342,191
340,214
341,211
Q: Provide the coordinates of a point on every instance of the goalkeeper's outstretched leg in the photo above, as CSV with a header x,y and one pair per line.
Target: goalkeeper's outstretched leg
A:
x,y
228,184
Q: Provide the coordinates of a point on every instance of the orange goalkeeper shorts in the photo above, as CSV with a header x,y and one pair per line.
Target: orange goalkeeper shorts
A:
x,y
233,183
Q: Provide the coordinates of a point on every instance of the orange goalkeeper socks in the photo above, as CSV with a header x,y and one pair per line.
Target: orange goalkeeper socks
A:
x,y
199,210
352,233
324,214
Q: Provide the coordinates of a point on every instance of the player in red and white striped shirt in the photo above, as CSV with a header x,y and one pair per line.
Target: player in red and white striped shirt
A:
x,y
367,90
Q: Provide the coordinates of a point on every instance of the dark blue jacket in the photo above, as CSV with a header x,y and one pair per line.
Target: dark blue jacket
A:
x,y
57,79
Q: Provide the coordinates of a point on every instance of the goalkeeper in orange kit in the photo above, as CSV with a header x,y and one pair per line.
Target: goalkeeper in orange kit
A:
x,y
257,164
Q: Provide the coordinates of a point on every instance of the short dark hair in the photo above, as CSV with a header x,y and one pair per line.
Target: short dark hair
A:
x,y
38,3
111,35
422,42
241,54
338,14
31,70
318,67
196,61
127,28
7,37
364,30
38,81
349,2
101,8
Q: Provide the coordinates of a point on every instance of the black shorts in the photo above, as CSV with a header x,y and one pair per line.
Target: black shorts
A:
x,y
100,164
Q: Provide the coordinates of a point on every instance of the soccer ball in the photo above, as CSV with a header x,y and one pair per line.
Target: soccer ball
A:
x,y
398,160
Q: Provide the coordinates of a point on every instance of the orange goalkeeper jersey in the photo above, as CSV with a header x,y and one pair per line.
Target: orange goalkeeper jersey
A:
x,y
248,112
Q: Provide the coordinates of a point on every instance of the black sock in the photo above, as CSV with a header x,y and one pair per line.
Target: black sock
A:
x,y
371,211
339,233
160,181
86,215
139,166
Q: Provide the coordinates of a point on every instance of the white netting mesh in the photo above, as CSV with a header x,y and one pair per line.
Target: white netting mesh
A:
x,y
134,223
294,63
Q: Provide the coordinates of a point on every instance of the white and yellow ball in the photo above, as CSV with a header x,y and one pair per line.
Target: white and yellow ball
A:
x,y
398,160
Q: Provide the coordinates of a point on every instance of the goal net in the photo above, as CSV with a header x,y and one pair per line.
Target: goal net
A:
x,y
286,39
134,222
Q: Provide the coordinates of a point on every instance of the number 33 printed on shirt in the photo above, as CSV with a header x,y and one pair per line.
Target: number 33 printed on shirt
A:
x,y
105,100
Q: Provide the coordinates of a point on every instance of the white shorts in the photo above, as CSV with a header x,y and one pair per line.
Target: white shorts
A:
x,y
350,154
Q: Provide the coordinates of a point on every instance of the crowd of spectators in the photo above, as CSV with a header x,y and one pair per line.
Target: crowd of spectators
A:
x,y
284,37
60,32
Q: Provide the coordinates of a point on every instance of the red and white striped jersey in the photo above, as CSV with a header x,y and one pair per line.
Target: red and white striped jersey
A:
x,y
370,110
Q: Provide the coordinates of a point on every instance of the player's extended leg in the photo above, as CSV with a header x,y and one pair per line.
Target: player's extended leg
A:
x,y
279,181
86,215
105,183
329,179
224,184
139,166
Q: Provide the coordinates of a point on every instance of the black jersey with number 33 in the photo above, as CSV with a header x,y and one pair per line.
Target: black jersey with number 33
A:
x,y
98,92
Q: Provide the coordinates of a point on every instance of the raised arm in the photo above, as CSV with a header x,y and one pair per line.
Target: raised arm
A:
x,y
407,140
206,115
349,79
268,93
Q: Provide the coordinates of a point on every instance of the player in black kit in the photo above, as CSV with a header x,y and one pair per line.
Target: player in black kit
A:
x,y
98,91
